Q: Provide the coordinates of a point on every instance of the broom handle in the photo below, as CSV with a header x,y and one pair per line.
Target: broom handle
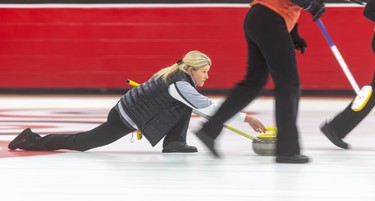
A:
x,y
357,2
339,58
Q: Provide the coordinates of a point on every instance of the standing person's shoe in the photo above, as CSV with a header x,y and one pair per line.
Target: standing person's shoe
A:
x,y
209,142
23,140
296,159
333,137
178,147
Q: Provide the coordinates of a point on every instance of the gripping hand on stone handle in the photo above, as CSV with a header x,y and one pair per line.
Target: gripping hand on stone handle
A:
x,y
255,124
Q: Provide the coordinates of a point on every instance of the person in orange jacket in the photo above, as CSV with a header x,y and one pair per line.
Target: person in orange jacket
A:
x,y
345,121
272,35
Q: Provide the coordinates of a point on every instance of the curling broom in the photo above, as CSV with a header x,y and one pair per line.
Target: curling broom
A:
x,y
364,94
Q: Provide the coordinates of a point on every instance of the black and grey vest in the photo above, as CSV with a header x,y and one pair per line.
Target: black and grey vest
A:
x,y
153,109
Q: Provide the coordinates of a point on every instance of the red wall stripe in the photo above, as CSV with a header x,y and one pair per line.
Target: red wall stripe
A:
x,y
102,47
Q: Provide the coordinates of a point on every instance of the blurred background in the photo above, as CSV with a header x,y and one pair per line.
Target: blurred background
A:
x,y
94,46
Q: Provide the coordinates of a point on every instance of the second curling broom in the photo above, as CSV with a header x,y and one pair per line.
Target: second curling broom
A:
x,y
364,94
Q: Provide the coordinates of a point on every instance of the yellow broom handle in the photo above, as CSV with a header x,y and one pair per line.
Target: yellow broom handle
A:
x,y
132,83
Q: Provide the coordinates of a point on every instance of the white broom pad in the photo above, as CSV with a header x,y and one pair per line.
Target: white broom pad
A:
x,y
362,98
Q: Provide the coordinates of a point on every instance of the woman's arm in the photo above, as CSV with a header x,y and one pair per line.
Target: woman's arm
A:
x,y
187,94
369,11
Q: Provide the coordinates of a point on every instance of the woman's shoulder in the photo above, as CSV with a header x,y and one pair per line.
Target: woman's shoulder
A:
x,y
180,76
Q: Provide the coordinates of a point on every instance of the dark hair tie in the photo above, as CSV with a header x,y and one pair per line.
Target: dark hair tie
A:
x,y
179,62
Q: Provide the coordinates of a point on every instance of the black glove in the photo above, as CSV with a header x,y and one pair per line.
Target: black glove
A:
x,y
316,8
299,43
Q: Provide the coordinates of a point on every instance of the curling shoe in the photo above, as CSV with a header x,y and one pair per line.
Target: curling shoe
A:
x,y
24,140
208,141
178,147
333,137
296,159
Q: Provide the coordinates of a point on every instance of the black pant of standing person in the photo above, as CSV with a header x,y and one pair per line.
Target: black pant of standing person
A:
x,y
270,51
345,121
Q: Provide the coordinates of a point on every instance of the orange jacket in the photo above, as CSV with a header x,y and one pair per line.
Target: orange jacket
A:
x,y
287,9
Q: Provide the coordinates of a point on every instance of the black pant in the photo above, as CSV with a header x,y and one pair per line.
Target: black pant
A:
x,y
179,131
106,133
270,51
347,120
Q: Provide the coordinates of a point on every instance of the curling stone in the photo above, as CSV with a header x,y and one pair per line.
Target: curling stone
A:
x,y
265,144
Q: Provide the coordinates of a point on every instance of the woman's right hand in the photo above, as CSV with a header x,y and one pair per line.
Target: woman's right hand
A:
x,y
255,124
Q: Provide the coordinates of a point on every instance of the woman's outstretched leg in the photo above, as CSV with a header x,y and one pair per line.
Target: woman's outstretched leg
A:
x,y
104,134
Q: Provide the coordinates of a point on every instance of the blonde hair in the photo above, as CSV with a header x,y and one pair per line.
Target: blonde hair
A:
x,y
194,59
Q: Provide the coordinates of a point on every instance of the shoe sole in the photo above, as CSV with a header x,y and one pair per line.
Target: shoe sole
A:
x,y
13,145
176,151
288,160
